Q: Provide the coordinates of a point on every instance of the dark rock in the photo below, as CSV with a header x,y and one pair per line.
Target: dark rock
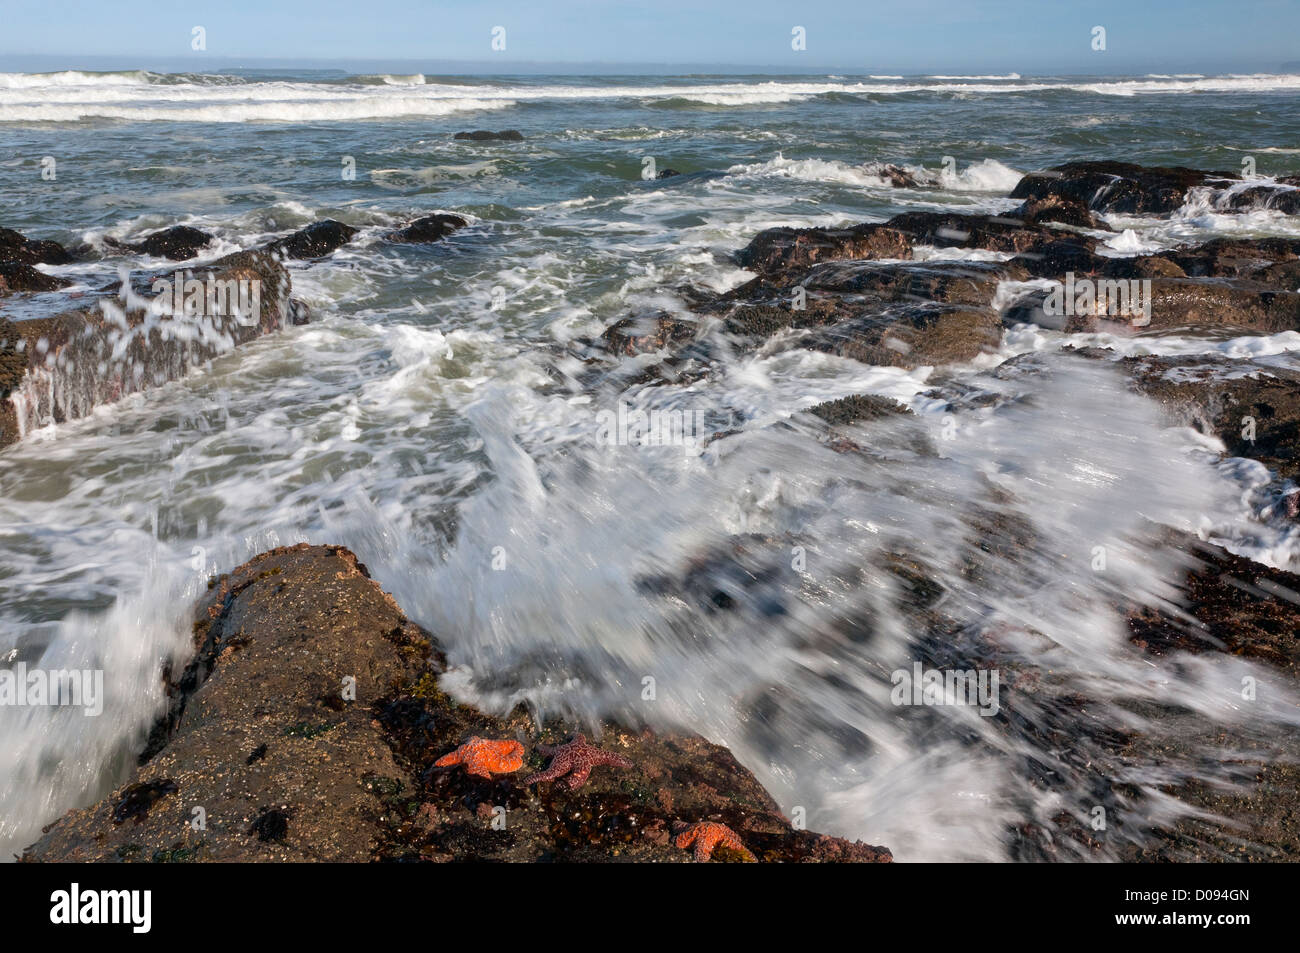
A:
x,y
855,409
778,249
954,230
897,176
19,277
762,320
178,243
13,366
356,781
1058,208
1118,186
1282,275
1184,302
1142,266
431,228
14,247
1216,396
1231,604
65,366
668,174
913,336
644,333
972,283
1233,257
1285,200
1053,259
315,241
484,135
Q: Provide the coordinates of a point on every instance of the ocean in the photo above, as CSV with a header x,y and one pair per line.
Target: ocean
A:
x,y
419,418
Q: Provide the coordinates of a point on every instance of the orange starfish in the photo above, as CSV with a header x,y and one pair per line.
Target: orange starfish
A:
x,y
707,835
483,757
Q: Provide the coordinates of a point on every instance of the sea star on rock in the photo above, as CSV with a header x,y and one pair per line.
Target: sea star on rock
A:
x,y
483,757
576,759
707,835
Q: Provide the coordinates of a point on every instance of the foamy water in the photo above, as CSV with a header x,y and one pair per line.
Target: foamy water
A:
x,y
418,420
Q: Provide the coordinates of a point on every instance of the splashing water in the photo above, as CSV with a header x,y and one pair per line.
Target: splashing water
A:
x,y
770,582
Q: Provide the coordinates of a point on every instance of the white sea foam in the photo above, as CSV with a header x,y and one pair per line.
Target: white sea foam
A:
x,y
73,96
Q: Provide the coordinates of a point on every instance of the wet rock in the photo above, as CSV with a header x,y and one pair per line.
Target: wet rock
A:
x,y
179,243
1282,275
315,241
431,228
913,336
783,249
1058,208
667,174
1054,259
1277,198
1142,266
973,283
1165,305
954,230
19,277
1188,302
861,407
1233,257
644,333
16,248
1253,408
1118,186
761,320
138,798
61,368
316,607
1231,604
897,176
356,780
13,363
484,135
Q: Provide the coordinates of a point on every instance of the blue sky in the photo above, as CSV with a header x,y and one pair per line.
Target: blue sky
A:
x,y
865,35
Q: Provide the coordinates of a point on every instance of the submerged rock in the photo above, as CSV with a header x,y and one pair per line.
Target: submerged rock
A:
x,y
431,228
333,757
859,407
315,241
1231,604
484,135
1253,408
644,333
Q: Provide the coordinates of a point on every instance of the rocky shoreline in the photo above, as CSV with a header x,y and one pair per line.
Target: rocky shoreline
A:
x,y
308,727
59,368
263,738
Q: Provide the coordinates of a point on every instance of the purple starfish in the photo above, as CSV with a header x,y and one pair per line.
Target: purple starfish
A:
x,y
576,759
